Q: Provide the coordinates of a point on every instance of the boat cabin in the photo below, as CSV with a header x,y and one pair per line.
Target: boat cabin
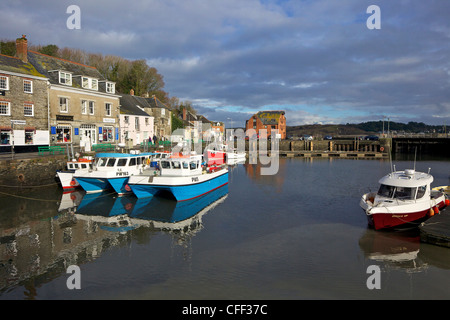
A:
x,y
107,161
405,185
179,165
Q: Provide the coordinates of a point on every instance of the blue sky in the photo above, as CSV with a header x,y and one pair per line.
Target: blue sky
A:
x,y
317,60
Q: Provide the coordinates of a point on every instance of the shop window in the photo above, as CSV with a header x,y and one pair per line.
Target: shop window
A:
x,y
5,137
29,135
108,134
63,134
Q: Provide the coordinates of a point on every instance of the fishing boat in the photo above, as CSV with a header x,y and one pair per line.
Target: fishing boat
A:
x,y
183,176
112,170
403,197
66,176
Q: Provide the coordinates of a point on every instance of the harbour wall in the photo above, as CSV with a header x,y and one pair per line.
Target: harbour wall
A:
x,y
35,171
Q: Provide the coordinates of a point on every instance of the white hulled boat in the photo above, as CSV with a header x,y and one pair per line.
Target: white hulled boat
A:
x,y
66,176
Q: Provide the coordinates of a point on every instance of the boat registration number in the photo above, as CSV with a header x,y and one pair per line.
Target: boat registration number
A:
x,y
194,179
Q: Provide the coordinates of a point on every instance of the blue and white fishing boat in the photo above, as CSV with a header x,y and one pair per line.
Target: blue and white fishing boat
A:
x,y
182,176
112,170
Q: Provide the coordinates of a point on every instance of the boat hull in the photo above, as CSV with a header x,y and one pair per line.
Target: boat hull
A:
x,y
384,217
119,185
67,181
185,189
93,185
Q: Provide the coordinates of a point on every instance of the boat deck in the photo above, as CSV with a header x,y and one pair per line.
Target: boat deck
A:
x,y
436,230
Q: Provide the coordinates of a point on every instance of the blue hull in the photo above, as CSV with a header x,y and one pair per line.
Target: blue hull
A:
x,y
93,184
119,185
181,193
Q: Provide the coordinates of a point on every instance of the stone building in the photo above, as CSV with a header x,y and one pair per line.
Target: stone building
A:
x,y
24,118
268,120
163,117
83,105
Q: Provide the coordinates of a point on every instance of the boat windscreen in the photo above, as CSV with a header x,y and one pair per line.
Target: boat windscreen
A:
x,y
386,191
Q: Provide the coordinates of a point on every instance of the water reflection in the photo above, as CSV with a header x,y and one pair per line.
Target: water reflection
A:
x,y
40,249
402,250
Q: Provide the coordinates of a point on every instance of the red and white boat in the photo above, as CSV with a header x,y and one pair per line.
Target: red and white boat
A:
x,y
403,197
68,182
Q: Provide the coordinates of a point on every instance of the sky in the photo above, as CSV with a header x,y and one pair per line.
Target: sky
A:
x,y
317,60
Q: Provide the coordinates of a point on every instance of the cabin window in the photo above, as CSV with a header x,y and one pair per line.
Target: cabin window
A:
x,y
132,162
176,165
139,160
111,162
165,164
83,166
193,165
101,162
405,193
121,162
421,191
386,191
71,165
185,165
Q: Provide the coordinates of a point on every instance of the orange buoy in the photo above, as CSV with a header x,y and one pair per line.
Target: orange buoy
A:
x,y
447,202
73,182
436,210
431,213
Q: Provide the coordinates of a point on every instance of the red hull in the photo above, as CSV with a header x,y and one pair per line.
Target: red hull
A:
x,y
383,220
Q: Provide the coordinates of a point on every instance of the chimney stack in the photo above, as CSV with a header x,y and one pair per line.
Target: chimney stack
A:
x,y
132,92
22,48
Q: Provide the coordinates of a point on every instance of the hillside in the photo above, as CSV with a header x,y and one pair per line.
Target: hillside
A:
x,y
365,128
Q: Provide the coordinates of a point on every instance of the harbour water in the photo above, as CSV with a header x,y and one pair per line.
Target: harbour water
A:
x,y
299,234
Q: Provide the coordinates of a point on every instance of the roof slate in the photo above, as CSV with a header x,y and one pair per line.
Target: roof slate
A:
x,y
16,65
130,105
44,63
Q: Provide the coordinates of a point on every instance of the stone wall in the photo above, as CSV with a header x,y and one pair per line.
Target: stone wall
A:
x,y
31,172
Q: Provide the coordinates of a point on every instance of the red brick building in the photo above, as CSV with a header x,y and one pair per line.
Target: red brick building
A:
x,y
268,120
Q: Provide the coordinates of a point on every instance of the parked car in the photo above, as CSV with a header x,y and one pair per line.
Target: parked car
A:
x,y
373,138
307,137
327,137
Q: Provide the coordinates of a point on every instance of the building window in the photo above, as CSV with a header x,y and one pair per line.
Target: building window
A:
x,y
89,83
91,107
163,111
84,104
108,109
110,87
29,134
146,121
108,134
126,119
5,137
27,86
5,110
63,134
65,78
136,123
4,83
28,109
63,104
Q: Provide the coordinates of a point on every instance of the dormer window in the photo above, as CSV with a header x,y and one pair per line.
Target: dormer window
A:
x,y
65,78
110,87
89,83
